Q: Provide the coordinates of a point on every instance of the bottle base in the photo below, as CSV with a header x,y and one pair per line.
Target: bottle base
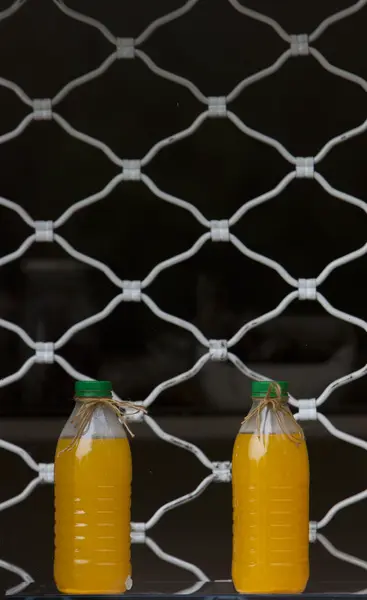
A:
x,y
269,590
85,591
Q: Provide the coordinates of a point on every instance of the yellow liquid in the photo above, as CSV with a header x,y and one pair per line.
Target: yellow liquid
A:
x,y
270,514
92,516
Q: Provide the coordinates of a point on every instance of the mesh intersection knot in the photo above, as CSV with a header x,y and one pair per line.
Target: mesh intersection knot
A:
x,y
305,167
312,532
131,170
218,350
125,48
138,536
45,352
131,291
307,289
307,409
299,45
219,230
217,106
222,472
44,231
132,415
46,472
42,109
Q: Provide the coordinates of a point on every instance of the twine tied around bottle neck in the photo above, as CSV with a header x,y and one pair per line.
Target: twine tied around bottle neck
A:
x,y
278,405
88,405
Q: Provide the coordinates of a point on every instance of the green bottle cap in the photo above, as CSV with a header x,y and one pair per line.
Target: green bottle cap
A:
x,y
93,389
259,389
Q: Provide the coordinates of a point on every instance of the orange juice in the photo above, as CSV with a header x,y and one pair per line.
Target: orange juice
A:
x,y
92,535
92,507
270,510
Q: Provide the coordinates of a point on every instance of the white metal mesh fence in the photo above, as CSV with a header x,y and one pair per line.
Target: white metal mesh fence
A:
x,y
217,107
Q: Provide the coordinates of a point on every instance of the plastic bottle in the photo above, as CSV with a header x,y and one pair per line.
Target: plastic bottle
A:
x,y
270,497
92,497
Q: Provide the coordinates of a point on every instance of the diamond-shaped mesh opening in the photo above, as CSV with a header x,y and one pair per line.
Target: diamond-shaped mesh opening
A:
x,y
15,354
337,490
148,461
50,63
56,171
146,565
119,250
127,19
67,292
160,351
146,110
12,114
296,216
18,480
218,298
186,169
315,344
205,513
27,393
288,104
344,169
217,52
13,233
298,17
342,44
37,533
354,294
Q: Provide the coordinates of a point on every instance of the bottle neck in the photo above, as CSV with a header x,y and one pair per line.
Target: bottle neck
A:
x,y
103,422
270,402
264,415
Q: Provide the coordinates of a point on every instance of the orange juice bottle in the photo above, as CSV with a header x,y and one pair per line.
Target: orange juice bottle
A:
x,y
270,497
92,497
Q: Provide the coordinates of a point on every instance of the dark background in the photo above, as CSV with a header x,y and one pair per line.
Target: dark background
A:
x,y
217,169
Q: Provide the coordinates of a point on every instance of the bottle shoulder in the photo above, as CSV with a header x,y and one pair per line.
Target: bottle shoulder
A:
x,y
104,423
273,453
270,421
